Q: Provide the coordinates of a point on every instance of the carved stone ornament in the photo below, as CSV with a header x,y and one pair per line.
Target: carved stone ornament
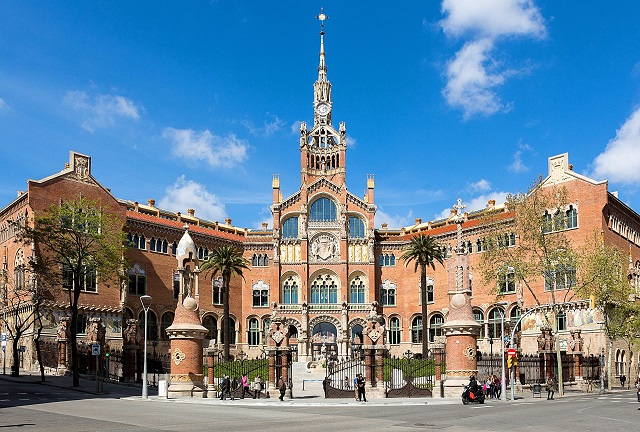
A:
x,y
374,335
470,352
178,356
324,248
277,336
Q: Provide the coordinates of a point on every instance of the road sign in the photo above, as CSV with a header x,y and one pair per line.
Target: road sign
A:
x,y
4,339
23,348
511,352
95,349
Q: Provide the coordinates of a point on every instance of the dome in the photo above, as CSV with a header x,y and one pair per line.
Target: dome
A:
x,y
186,248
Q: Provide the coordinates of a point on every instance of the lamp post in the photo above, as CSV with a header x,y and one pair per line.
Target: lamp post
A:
x,y
503,384
146,302
601,361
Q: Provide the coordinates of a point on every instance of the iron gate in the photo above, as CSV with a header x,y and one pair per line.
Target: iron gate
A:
x,y
340,374
411,377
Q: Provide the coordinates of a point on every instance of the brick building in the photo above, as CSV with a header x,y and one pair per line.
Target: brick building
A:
x,y
323,264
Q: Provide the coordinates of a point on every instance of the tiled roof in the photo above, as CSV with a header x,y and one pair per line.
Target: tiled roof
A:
x,y
179,225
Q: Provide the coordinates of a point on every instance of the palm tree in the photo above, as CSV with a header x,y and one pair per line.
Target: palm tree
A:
x,y
424,250
225,260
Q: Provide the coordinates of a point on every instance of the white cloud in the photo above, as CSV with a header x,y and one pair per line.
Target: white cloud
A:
x,y
471,79
351,142
481,185
492,18
477,203
393,221
101,110
295,127
268,128
187,194
517,166
3,105
217,151
473,74
620,161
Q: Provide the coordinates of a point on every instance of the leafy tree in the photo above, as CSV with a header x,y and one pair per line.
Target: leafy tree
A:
x,y
22,301
604,279
76,242
542,252
423,250
227,261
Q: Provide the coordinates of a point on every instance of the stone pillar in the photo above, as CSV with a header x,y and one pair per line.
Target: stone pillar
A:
x,y
132,338
95,335
63,345
279,353
461,331
186,335
373,344
210,372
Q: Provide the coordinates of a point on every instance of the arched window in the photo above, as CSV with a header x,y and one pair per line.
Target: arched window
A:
x,y
152,320
388,293
495,323
514,317
18,271
479,317
137,280
435,327
216,291
290,291
260,294
323,210
152,244
174,248
356,334
394,331
209,322
572,217
392,260
416,330
507,281
357,291
232,332
356,227
290,228
253,334
293,332
324,290
167,320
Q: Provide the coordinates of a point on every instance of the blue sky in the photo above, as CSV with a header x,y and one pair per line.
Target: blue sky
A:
x,y
198,103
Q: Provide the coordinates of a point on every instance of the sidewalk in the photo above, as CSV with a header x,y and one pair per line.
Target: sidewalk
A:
x,y
312,395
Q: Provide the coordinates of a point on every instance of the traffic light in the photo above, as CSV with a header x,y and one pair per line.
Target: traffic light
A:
x,y
514,360
509,362
107,350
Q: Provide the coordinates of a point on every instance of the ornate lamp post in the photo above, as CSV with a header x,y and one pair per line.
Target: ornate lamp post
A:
x,y
146,303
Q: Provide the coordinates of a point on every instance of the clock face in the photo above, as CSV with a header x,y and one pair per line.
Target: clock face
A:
x,y
323,109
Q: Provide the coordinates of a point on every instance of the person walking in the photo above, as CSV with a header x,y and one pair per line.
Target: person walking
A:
x,y
551,386
282,386
355,386
245,385
623,379
226,388
361,392
257,386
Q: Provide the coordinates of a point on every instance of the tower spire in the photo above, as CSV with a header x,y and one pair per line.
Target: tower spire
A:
x,y
322,68
322,86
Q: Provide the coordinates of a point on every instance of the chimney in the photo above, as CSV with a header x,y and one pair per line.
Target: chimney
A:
x,y
418,221
491,203
191,212
151,202
135,205
227,221
570,167
265,226
384,226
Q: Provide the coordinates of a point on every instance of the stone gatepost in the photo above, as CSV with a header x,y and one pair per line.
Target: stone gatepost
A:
x,y
186,335
575,349
374,347
132,338
460,326
279,354
62,332
95,335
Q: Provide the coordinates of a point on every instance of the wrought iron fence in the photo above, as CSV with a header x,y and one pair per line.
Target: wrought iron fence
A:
x,y
236,368
411,377
340,375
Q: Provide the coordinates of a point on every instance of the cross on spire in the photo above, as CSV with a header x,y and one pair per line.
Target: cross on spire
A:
x,y
321,17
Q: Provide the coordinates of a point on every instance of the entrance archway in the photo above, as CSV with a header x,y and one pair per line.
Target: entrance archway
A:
x,y
323,341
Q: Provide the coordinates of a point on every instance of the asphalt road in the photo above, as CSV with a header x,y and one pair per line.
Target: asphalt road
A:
x,y
34,407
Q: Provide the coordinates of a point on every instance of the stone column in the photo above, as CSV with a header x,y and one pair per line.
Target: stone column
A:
x,y
63,345
373,343
132,338
95,335
461,331
279,353
210,372
186,335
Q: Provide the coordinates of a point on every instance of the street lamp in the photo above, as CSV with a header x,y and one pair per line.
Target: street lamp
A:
x,y
146,302
601,360
503,384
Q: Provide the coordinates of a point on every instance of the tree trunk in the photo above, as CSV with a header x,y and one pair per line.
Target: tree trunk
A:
x,y
609,374
425,299
39,353
225,317
15,369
